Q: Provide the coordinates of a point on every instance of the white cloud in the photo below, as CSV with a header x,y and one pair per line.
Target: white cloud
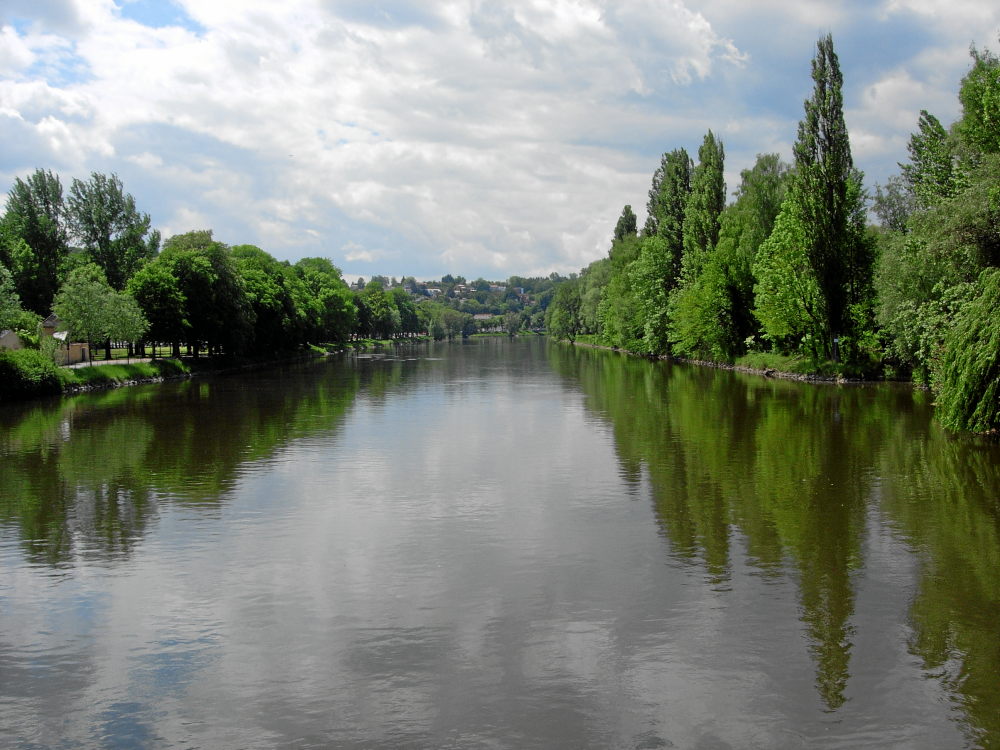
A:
x,y
470,137
15,54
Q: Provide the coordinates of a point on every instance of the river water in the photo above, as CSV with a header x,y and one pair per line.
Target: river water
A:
x,y
496,544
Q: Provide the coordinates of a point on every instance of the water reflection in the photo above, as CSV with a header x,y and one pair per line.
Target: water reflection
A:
x,y
458,547
796,471
84,476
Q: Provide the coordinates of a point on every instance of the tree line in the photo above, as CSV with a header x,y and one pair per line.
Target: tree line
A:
x,y
793,268
92,258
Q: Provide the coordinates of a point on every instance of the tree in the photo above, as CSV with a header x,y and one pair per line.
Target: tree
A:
x,y
34,243
933,172
219,314
626,225
980,97
335,315
829,202
12,315
618,310
277,296
157,291
90,310
788,296
563,315
894,203
969,387
707,198
110,228
409,321
668,198
512,323
383,317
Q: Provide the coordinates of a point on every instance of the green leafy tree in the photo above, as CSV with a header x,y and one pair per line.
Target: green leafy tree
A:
x,y
116,236
707,198
933,172
668,198
90,310
968,390
277,296
157,290
788,296
218,312
562,319
893,204
829,201
33,238
409,321
626,226
980,97
512,323
335,315
651,287
12,315
81,302
618,310
383,317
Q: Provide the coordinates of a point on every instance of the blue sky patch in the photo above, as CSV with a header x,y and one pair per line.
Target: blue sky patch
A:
x,y
157,14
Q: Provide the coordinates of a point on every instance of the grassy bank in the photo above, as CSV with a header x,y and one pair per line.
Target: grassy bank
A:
x,y
113,375
26,374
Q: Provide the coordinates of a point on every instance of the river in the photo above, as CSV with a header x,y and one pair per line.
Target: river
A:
x,y
496,544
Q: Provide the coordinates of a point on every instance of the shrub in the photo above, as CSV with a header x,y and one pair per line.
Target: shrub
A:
x,y
25,373
968,387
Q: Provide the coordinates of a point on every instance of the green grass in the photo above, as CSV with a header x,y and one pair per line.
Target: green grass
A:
x,y
103,375
787,363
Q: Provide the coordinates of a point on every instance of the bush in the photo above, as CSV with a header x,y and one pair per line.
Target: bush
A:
x,y
968,387
25,373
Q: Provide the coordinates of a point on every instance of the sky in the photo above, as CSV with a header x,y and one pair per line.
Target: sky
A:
x,y
469,137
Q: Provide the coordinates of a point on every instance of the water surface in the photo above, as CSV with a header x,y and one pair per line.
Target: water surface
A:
x,y
496,545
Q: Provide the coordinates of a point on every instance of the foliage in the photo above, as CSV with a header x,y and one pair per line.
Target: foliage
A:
x,y
668,199
626,225
968,388
563,316
26,373
156,289
893,203
700,230
116,236
219,313
333,314
33,238
980,97
933,172
829,204
789,300
621,323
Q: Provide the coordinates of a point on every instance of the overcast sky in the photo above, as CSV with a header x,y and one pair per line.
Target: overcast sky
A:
x,y
467,137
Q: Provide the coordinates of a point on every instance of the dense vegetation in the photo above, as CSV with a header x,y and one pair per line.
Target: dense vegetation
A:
x,y
790,270
92,259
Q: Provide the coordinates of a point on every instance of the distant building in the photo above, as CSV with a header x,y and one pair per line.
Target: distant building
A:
x,y
10,340
69,352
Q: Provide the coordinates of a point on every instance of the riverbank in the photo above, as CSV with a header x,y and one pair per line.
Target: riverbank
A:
x,y
758,363
28,374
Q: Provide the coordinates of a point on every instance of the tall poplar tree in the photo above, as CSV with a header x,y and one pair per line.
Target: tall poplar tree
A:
x,y
829,200
700,230
668,199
